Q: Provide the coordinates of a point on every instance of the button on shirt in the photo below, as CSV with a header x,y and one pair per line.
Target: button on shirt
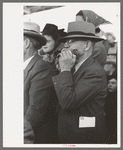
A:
x,y
27,62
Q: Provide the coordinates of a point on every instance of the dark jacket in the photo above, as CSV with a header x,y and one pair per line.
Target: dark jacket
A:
x,y
28,133
40,99
111,116
100,53
81,94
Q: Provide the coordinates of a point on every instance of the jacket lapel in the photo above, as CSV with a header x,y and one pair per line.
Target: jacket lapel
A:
x,y
30,65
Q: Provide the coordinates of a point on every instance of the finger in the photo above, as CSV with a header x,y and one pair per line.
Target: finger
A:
x,y
64,53
70,53
63,49
74,56
60,54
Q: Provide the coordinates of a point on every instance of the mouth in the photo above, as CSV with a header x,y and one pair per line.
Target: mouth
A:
x,y
109,89
44,47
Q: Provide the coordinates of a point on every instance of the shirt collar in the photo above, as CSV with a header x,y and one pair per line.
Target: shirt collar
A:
x,y
27,62
77,66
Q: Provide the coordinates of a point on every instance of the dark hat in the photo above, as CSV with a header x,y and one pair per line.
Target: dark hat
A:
x,y
113,76
111,61
80,29
53,28
33,30
49,26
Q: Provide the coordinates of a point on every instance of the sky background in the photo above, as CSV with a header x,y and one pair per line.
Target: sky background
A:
x,y
61,16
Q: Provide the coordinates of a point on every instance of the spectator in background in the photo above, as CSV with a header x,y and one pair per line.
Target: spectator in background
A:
x,y
52,34
110,67
110,41
111,108
99,53
39,96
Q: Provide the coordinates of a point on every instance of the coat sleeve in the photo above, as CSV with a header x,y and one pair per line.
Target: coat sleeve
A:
x,y
28,133
39,93
72,96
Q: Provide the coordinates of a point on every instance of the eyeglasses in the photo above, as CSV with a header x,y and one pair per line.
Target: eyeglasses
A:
x,y
70,41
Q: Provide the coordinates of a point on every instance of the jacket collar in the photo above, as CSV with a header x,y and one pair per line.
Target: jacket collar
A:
x,y
84,65
30,65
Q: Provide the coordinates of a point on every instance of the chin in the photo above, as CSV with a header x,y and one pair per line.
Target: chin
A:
x,y
111,91
46,51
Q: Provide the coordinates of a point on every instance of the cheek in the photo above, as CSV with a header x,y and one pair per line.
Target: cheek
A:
x,y
79,48
115,87
52,44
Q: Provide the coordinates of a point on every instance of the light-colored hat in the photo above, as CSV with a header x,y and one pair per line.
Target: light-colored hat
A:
x,y
33,30
80,29
111,34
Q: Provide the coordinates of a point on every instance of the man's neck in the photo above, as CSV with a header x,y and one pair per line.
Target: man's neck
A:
x,y
82,58
28,55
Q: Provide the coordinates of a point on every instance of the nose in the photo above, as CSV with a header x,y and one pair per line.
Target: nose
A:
x,y
109,85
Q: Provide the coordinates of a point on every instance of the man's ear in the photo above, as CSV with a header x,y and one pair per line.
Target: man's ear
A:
x,y
87,45
26,42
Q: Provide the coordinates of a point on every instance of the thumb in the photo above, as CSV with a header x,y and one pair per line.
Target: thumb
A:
x,y
74,56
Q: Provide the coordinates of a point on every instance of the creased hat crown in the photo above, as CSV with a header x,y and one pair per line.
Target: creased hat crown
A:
x,y
80,26
81,29
31,26
33,30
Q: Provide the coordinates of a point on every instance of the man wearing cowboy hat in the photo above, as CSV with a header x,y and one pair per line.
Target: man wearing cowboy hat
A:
x,y
39,94
81,94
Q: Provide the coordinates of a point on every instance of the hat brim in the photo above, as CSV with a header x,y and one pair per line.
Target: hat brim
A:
x,y
111,62
37,36
94,38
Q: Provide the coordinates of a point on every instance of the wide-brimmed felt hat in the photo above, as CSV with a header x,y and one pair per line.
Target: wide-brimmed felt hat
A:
x,y
33,30
53,28
80,29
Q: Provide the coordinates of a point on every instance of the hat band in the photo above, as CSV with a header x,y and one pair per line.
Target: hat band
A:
x,y
80,33
31,30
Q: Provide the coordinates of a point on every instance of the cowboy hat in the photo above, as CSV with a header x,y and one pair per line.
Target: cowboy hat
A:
x,y
80,29
33,30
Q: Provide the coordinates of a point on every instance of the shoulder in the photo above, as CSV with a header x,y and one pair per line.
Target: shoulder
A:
x,y
96,69
42,67
41,64
99,46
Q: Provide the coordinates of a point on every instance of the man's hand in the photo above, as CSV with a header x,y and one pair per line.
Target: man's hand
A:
x,y
66,60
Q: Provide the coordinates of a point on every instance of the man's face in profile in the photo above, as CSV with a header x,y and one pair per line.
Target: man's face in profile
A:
x,y
76,46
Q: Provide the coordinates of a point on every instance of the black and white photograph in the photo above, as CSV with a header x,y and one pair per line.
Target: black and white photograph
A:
x,y
62,75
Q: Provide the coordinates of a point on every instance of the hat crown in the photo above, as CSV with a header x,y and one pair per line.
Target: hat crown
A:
x,y
32,27
49,26
80,26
